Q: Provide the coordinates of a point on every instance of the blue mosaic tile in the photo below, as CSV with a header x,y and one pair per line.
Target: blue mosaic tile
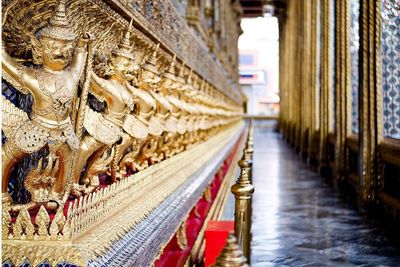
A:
x,y
333,73
8,263
390,50
65,264
26,263
44,263
354,62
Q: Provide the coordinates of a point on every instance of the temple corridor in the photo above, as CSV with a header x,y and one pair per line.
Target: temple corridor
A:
x,y
299,219
199,133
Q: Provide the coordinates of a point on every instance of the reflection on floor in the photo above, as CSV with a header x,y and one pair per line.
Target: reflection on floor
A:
x,y
300,220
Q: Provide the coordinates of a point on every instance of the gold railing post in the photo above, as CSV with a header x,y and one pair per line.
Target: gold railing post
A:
x,y
231,255
243,190
248,152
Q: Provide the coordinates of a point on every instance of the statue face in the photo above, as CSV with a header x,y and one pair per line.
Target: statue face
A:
x,y
57,54
123,67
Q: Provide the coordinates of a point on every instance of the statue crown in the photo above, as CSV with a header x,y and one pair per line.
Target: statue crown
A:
x,y
180,77
170,73
182,71
151,62
124,47
189,77
58,27
172,66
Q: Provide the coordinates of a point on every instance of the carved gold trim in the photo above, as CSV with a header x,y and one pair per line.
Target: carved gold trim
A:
x,y
216,210
91,236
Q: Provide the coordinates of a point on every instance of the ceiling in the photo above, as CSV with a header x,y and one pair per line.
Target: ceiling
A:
x,y
252,8
256,8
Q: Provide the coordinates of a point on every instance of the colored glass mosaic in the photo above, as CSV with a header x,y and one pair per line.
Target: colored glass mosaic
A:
x,y
354,62
390,49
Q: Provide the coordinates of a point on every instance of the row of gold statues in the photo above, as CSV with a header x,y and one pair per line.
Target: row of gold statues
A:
x,y
150,115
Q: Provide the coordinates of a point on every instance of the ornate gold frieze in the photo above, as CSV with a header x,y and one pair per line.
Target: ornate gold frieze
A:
x,y
122,205
107,21
97,113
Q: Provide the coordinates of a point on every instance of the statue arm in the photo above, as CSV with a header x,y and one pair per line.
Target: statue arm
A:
x,y
97,84
16,73
78,61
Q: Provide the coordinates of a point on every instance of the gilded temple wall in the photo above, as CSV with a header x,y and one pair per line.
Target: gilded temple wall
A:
x,y
337,97
106,104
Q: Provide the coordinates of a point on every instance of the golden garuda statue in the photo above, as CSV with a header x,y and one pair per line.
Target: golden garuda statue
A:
x,y
54,90
115,128
92,124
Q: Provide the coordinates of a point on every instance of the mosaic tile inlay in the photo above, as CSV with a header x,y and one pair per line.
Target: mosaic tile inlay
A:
x,y
333,73
391,68
354,61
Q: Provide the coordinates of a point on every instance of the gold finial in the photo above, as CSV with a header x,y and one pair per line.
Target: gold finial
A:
x,y
172,66
151,62
189,77
153,59
231,255
126,40
171,73
182,70
194,81
243,191
124,48
58,27
180,78
202,85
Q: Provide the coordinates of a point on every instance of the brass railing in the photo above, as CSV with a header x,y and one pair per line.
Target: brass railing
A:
x,y
243,191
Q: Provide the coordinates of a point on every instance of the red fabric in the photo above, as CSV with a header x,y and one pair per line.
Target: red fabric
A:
x,y
215,235
173,244
202,209
162,261
173,259
193,227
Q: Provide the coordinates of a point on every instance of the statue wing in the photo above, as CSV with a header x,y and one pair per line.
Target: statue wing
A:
x,y
100,128
135,127
13,118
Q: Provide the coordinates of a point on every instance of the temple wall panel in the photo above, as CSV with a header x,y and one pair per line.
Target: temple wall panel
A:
x,y
121,122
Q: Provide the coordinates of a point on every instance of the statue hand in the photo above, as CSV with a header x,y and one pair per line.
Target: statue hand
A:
x,y
86,36
85,39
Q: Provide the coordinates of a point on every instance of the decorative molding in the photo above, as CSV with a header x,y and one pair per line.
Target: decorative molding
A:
x,y
146,217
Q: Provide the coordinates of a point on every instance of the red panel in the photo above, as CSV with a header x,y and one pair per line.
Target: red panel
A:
x,y
216,234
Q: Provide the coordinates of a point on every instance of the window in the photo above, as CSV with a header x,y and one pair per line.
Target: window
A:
x,y
390,50
332,67
318,63
246,59
354,62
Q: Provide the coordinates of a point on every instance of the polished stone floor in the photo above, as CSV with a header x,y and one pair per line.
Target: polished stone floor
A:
x,y
301,220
